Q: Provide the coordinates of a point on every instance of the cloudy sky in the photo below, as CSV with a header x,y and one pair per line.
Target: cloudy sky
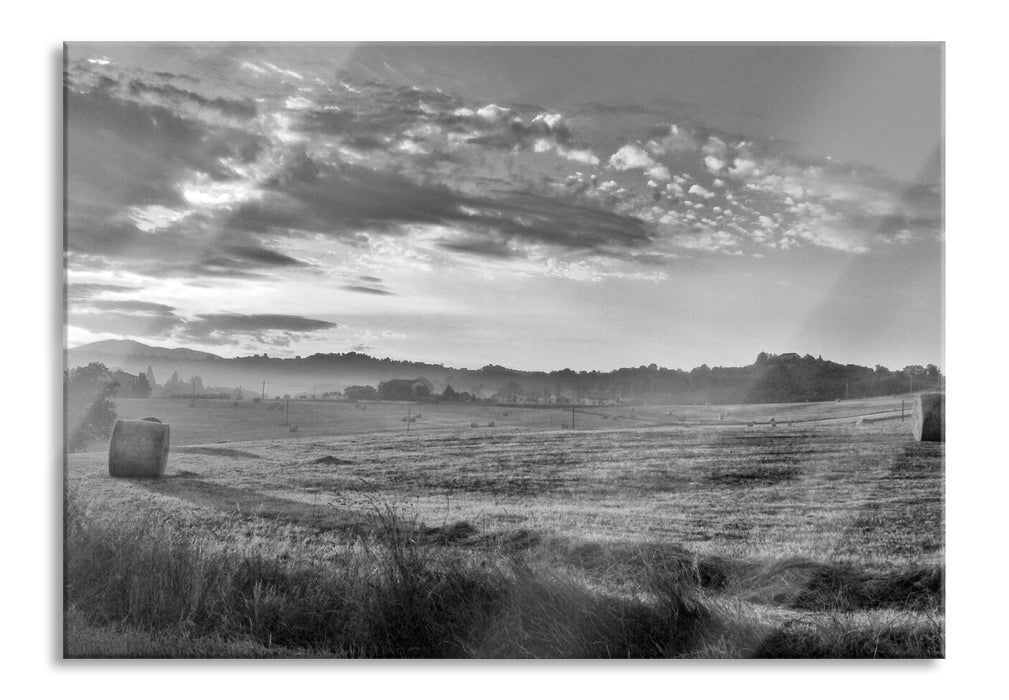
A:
x,y
538,207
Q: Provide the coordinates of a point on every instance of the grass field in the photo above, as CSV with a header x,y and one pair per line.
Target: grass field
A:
x,y
220,420
657,531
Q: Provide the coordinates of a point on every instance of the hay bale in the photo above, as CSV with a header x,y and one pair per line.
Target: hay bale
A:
x,y
293,429
474,425
138,449
928,420
491,424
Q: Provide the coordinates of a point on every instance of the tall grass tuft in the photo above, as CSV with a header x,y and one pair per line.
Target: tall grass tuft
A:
x,y
395,595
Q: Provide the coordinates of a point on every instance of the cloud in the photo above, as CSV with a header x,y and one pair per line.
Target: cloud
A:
x,y
744,167
585,156
80,291
715,146
127,317
340,202
171,96
674,139
365,290
124,158
492,112
197,184
659,172
631,157
270,329
700,192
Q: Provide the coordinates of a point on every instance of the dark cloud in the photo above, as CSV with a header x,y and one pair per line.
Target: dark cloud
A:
x,y
201,245
488,246
341,201
130,317
371,114
243,109
130,306
270,329
242,255
80,291
365,290
121,154
369,278
254,323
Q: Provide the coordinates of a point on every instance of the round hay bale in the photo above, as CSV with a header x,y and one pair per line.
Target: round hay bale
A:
x,y
491,424
152,419
474,425
293,429
928,418
138,449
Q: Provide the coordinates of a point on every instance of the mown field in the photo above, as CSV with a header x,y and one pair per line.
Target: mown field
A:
x,y
217,420
660,531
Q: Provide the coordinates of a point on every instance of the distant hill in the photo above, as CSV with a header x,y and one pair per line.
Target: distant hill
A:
x,y
784,378
131,348
771,378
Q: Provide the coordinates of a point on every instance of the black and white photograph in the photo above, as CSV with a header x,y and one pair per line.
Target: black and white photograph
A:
x,y
503,350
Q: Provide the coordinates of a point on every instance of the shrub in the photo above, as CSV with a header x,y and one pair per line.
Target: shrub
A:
x,y
90,411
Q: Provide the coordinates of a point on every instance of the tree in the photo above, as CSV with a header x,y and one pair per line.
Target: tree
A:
x,y
90,412
143,387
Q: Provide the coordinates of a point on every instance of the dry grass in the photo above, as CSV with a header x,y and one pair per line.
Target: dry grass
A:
x,y
389,595
809,541
215,420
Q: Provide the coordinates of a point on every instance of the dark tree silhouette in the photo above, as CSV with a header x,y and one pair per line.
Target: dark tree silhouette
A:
x,y
89,409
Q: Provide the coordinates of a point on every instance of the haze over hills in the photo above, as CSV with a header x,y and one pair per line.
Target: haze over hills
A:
x,y
131,348
771,378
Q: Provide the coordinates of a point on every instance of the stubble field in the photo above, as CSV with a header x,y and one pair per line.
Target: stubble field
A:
x,y
820,538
